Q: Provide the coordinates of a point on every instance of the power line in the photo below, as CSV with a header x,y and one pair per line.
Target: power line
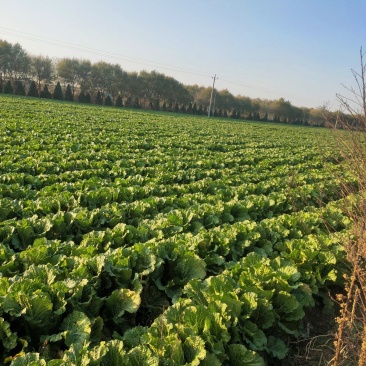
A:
x,y
94,51
90,50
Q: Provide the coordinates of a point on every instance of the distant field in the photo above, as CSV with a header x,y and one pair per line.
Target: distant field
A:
x,y
140,238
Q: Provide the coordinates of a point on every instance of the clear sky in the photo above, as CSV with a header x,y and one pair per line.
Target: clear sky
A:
x,y
301,50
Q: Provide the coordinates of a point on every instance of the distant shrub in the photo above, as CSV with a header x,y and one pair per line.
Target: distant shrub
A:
x,y
98,98
33,91
136,103
19,88
45,93
81,97
57,93
8,88
68,94
88,98
119,102
108,101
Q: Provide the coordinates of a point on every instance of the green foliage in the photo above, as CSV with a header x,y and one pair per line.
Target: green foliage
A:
x,y
82,97
7,337
98,98
88,98
140,238
136,103
128,103
119,102
108,101
33,91
57,93
239,355
19,88
8,88
69,96
45,93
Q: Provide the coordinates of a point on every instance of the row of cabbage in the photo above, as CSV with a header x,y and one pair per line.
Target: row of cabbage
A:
x,y
137,239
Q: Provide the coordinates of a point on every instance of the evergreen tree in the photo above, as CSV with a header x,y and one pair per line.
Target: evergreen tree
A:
x,y
19,88
136,103
225,114
82,97
33,92
170,107
194,108
68,94
176,107
163,107
45,93
200,110
128,103
119,102
98,98
219,114
88,98
8,88
182,109
156,104
108,101
189,108
57,93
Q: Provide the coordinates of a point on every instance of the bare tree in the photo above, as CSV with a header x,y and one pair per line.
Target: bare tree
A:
x,y
351,136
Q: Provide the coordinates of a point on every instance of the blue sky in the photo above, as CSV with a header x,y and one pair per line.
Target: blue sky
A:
x,y
301,50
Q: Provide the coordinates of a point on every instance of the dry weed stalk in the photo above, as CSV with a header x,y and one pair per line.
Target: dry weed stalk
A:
x,y
350,127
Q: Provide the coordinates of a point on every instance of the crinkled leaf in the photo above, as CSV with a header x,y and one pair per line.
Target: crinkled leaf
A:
x,y
28,359
249,303
264,315
239,355
194,350
115,354
304,295
133,337
287,306
38,309
276,347
253,335
142,356
210,360
77,327
7,337
187,268
121,301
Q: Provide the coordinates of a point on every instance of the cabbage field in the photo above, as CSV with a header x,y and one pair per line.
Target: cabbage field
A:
x,y
141,238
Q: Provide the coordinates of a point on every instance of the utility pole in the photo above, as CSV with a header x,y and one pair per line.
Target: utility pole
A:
x,y
213,87
214,105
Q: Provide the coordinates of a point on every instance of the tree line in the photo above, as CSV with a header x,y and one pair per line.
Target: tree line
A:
x,y
103,83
